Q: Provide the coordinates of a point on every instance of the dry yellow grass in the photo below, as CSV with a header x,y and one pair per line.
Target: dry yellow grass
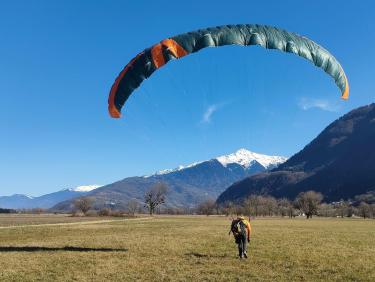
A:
x,y
36,219
186,248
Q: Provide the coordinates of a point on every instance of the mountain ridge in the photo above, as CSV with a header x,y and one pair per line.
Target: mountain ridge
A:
x,y
339,163
242,157
188,185
46,201
188,182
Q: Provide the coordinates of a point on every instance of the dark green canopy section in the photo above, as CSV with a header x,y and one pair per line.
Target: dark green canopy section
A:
x,y
145,63
267,37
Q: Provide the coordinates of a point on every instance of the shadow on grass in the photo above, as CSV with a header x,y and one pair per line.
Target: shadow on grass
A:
x,y
199,255
56,249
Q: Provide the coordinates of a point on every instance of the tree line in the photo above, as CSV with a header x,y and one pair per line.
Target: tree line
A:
x,y
306,203
153,199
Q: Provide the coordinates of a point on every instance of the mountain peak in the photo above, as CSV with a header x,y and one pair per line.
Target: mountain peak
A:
x,y
245,158
22,196
85,188
242,157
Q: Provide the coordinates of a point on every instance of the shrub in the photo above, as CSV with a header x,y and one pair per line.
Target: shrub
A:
x,y
105,212
91,213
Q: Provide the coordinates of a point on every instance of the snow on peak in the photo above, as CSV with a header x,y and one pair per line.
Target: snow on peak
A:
x,y
22,196
166,171
85,188
242,157
246,158
169,170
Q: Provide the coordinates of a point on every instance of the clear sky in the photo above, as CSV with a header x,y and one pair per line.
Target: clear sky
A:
x,y
58,60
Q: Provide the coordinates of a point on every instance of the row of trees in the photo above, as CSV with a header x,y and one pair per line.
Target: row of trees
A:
x,y
153,198
306,203
7,210
85,206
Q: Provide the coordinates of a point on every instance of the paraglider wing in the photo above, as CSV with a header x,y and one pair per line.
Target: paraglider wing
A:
x,y
146,62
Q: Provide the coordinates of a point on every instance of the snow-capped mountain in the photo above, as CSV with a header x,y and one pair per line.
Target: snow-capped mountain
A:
x,y
247,158
242,157
19,201
171,170
187,185
86,188
339,163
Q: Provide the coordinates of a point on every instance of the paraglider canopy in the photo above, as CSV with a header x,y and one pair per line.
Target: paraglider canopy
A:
x,y
149,60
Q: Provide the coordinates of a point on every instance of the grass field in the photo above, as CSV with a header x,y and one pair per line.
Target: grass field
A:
x,y
34,219
187,248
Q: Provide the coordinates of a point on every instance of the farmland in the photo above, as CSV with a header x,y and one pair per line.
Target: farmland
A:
x,y
184,248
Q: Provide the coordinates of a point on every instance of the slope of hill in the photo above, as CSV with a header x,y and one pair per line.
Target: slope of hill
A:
x,y
19,201
339,163
188,185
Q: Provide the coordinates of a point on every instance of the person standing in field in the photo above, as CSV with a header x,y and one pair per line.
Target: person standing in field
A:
x,y
241,230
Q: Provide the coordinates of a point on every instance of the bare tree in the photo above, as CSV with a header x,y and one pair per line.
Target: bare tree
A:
x,y
207,207
228,208
326,210
252,205
291,211
342,208
83,204
270,205
364,209
105,212
284,206
308,202
248,206
372,209
155,197
254,202
132,207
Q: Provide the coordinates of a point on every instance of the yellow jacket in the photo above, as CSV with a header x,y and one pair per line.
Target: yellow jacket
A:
x,y
248,228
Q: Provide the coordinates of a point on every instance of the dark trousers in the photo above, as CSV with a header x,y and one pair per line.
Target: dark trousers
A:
x,y
242,244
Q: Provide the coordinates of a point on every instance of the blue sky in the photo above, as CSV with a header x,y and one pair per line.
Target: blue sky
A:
x,y
58,60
